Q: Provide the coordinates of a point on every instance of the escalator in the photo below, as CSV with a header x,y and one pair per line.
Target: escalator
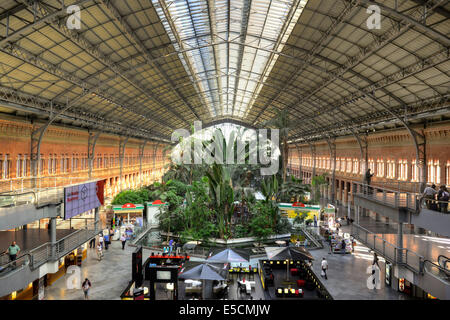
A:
x,y
444,262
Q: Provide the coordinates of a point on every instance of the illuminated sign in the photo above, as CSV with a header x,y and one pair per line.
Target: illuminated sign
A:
x,y
82,198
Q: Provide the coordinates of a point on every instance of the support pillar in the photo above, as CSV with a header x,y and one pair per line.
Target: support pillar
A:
x,y
92,141
53,237
96,220
122,143
400,241
332,147
299,151
141,156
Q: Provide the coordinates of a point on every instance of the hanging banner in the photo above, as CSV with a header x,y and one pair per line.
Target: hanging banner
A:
x,y
82,198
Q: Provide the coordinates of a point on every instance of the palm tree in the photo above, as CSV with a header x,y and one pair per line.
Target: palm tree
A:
x,y
282,122
294,188
222,196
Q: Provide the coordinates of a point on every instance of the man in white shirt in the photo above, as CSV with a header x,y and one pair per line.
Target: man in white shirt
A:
x,y
123,240
429,193
101,240
324,268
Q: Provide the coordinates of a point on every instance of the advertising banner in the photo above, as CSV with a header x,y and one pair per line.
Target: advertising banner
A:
x,y
82,198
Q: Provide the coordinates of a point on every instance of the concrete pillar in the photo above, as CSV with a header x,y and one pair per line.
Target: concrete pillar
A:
x,y
53,236
400,240
357,212
96,219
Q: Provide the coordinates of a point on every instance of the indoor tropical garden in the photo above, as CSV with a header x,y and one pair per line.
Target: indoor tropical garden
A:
x,y
215,187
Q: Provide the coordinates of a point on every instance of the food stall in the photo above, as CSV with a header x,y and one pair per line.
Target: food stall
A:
x,y
153,209
132,215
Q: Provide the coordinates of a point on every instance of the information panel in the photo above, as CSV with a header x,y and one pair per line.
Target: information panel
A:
x,y
82,198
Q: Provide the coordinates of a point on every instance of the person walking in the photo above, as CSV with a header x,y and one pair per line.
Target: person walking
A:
x,y
106,240
86,286
123,240
13,251
101,240
324,268
92,243
99,252
367,179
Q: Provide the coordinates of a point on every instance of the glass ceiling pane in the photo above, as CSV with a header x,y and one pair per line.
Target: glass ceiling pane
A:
x,y
229,45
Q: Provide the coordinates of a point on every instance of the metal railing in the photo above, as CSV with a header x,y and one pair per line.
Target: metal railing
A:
x,y
389,251
387,196
20,262
437,271
39,191
47,252
444,262
391,196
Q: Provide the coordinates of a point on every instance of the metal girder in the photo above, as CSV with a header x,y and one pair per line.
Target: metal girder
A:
x,y
38,21
26,56
122,143
92,142
379,42
212,26
141,155
133,38
23,102
425,106
190,70
417,20
35,151
336,21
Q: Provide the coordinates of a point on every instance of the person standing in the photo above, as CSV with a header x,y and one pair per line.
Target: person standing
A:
x,y
13,251
443,197
92,243
86,286
367,179
324,268
123,240
170,245
429,194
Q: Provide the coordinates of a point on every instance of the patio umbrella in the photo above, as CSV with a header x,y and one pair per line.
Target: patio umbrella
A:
x,y
229,256
288,253
190,245
204,271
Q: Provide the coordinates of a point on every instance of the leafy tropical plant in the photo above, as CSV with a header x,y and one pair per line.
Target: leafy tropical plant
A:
x,y
132,196
294,189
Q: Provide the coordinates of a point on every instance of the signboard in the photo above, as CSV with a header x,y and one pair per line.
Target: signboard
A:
x,y
82,198
388,273
163,275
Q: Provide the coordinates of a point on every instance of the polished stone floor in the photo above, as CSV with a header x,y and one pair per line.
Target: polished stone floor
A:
x,y
347,277
109,277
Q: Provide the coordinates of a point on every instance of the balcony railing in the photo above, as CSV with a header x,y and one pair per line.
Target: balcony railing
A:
x,y
47,252
389,251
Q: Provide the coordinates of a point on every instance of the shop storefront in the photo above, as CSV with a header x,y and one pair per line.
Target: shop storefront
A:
x,y
126,218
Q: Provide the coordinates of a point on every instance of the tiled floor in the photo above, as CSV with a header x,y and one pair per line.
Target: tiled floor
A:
x,y
347,277
109,277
